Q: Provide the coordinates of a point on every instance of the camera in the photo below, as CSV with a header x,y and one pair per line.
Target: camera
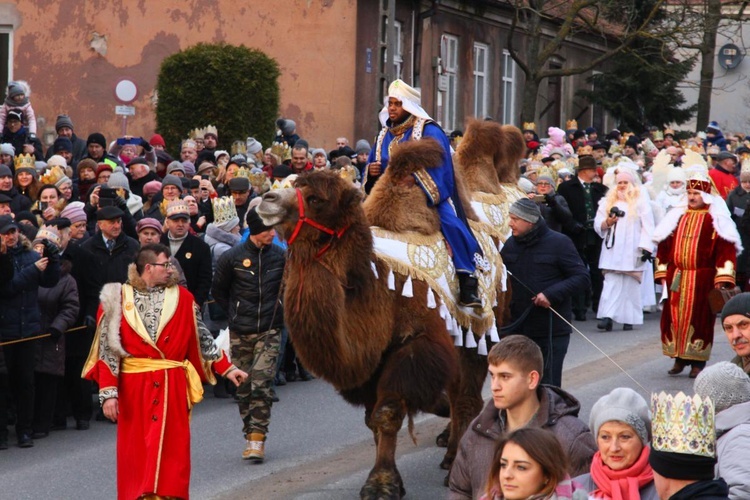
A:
x,y
616,212
107,197
205,177
43,206
539,198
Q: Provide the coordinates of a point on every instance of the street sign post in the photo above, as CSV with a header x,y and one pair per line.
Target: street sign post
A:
x,y
126,91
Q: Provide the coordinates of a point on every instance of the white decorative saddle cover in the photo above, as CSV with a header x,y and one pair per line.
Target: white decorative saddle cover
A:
x,y
426,258
492,210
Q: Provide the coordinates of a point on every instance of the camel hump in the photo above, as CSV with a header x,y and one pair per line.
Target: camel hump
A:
x,y
409,157
485,141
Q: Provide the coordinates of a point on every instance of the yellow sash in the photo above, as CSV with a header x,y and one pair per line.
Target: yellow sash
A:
x,y
142,365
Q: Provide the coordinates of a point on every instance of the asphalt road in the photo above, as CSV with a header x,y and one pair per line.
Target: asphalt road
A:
x,y
318,447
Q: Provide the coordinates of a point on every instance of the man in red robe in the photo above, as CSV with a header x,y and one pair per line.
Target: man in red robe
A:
x,y
698,248
149,356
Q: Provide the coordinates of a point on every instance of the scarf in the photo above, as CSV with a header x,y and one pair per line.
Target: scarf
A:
x,y
621,484
533,235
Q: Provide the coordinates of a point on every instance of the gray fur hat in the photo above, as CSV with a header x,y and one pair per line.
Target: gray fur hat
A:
x,y
622,405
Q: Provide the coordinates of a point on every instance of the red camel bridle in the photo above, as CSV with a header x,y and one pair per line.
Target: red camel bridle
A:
x,y
303,219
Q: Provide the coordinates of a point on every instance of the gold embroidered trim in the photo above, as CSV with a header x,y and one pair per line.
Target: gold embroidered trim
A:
x,y
428,184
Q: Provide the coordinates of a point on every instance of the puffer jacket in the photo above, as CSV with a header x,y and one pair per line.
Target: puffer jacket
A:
x,y
558,412
59,306
19,311
247,285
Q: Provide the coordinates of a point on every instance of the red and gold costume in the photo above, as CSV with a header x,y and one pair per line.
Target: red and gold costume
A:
x,y
150,352
693,259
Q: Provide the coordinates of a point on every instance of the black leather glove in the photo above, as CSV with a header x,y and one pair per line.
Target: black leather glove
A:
x,y
50,249
90,323
646,256
31,138
54,333
145,145
550,199
121,203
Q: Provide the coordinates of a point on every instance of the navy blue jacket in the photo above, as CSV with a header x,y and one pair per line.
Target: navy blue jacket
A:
x,y
19,310
548,263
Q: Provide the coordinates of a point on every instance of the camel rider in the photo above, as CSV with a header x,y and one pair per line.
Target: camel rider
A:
x,y
404,119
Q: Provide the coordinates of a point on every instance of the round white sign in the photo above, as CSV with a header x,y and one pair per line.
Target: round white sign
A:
x,y
126,91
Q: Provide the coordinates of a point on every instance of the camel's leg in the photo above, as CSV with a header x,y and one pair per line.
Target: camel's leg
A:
x,y
384,481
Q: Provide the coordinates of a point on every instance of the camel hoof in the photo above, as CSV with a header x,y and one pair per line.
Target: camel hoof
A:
x,y
447,462
442,439
383,485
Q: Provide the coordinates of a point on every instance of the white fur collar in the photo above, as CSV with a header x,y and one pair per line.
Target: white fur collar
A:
x,y
722,222
111,300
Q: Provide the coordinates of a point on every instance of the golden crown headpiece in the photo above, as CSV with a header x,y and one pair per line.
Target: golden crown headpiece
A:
x,y
668,131
210,130
658,135
624,138
571,125
284,183
614,149
224,209
585,151
548,172
24,161
243,172
238,147
348,172
196,133
529,126
189,143
53,175
177,207
683,424
260,182
282,150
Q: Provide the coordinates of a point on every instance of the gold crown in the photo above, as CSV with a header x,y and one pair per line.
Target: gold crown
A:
x,y
196,133
26,161
571,124
624,138
585,151
210,129
52,175
282,150
683,424
529,126
260,182
348,172
224,209
668,131
189,143
614,149
284,183
550,172
243,172
238,147
658,135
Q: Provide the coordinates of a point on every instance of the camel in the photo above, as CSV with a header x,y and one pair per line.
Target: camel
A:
x,y
389,352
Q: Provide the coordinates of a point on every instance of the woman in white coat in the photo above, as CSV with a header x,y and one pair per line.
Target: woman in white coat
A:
x,y
625,222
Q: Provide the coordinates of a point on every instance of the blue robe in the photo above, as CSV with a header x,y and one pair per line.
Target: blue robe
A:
x,y
440,188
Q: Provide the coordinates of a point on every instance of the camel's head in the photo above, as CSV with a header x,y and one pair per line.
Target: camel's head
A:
x,y
489,144
326,199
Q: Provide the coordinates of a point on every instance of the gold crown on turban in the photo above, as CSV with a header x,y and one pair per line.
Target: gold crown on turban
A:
x,y
683,424
224,209
52,175
196,133
585,151
238,147
529,126
571,124
210,129
26,161
282,150
260,182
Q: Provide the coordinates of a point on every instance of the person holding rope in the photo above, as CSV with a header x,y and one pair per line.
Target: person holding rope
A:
x,y
247,286
546,272
150,354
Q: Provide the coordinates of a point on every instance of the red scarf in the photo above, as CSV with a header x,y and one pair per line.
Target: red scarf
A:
x,y
621,484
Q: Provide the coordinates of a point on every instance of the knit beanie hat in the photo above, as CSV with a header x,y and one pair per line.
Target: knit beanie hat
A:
x,y
739,304
362,146
169,180
74,212
63,121
29,170
7,148
253,146
148,222
62,144
15,88
189,167
525,209
175,166
622,405
725,383
5,170
118,180
255,223
526,185
62,180
27,216
287,126
87,163
151,188
546,178
97,138
157,140
101,167
282,171
713,128
57,161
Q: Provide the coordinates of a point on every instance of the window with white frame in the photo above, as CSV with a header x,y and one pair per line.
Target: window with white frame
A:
x,y
398,49
450,72
509,89
481,77
6,55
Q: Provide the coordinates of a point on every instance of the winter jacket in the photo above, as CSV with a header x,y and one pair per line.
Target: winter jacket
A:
x,y
79,150
194,257
18,202
556,213
558,412
733,449
136,185
59,306
247,286
18,140
219,241
737,205
572,190
703,490
545,262
20,316
648,492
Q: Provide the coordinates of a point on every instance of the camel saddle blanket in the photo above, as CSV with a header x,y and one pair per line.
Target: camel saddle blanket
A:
x,y
492,210
426,258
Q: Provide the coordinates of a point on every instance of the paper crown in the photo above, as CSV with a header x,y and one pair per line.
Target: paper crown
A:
x,y
189,143
348,172
26,161
550,172
668,131
529,126
210,130
238,147
282,150
243,172
585,151
284,183
196,133
260,182
48,233
614,149
658,135
571,125
176,208
224,209
683,424
52,175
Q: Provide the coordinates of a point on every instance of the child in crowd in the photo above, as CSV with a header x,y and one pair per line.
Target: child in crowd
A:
x,y
18,98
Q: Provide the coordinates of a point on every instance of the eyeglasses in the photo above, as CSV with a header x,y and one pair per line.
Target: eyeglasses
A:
x,y
166,265
543,184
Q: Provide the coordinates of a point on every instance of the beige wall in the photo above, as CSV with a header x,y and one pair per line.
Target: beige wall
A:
x,y
312,40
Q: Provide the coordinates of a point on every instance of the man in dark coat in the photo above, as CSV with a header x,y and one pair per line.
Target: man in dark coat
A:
x,y
64,128
583,195
546,271
193,254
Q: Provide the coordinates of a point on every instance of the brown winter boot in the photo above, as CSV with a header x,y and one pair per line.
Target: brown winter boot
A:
x,y
254,450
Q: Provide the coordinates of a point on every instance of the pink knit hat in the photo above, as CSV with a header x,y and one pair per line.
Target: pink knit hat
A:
x,y
74,212
151,188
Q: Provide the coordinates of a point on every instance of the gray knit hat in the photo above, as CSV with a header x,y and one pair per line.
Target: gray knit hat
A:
x,y
253,146
739,304
622,405
171,180
525,209
7,148
63,121
174,166
725,383
362,146
118,180
525,185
